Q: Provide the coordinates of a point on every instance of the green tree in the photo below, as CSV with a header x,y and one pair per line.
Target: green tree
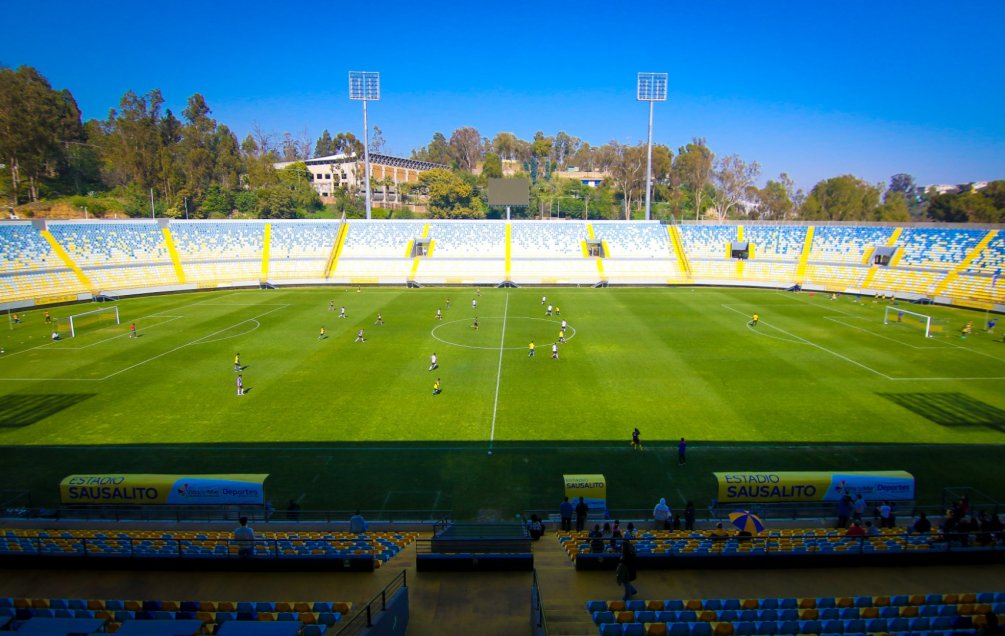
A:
x,y
776,204
894,208
324,146
734,179
132,152
492,168
844,198
541,146
450,196
693,168
465,148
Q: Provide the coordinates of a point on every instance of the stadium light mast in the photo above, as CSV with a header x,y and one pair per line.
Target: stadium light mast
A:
x,y
652,87
364,86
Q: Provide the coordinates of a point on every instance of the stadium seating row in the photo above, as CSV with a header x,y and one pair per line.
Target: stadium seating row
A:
x,y
315,617
137,254
380,546
938,613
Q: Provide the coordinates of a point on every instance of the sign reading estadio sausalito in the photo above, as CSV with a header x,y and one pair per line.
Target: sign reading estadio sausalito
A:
x,y
137,489
775,486
592,488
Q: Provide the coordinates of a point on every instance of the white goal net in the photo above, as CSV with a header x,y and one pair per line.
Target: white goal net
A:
x,y
922,322
93,320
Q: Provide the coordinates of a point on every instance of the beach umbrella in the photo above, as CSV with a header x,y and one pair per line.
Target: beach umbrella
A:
x,y
746,521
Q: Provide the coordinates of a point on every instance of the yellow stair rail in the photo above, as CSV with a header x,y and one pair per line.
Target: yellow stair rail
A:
x,y
965,263
266,245
332,263
415,261
179,271
509,243
68,261
804,256
678,247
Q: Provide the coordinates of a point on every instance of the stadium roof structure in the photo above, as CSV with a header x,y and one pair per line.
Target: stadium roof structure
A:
x,y
384,160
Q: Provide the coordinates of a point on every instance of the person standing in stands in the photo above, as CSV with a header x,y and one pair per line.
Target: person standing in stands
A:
x,y
357,524
627,570
244,536
565,512
581,511
661,515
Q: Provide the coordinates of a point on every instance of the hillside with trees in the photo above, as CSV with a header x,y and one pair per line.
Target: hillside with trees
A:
x,y
143,159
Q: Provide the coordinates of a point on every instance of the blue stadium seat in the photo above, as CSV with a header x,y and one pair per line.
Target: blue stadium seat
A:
x,y
701,629
855,625
810,627
788,627
745,628
678,629
920,624
599,618
645,616
596,606
633,629
610,629
766,628
876,625
832,627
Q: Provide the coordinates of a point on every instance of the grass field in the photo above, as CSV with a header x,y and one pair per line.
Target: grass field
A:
x,y
817,384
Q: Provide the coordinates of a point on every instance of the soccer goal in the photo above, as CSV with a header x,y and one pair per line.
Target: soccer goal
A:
x,y
91,320
911,319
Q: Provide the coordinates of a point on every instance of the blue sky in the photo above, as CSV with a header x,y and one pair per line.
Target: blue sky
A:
x,y
813,88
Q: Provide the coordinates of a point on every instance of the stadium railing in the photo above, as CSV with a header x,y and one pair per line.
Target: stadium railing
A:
x,y
374,610
201,514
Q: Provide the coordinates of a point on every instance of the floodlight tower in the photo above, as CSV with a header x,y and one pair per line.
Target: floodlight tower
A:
x,y
652,87
365,86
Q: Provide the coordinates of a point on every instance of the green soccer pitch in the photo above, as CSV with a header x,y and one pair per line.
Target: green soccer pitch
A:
x,y
817,384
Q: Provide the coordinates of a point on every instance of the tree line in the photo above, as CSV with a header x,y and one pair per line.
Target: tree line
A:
x,y
195,166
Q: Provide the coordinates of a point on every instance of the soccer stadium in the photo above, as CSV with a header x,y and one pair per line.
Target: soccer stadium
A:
x,y
394,407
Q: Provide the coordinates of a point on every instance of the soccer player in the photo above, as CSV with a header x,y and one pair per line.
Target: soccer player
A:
x,y
474,303
48,318
544,299
359,336
682,452
436,387
564,325
548,313
636,439
237,362
448,303
439,315
530,349
322,335
16,319
967,328
380,319
474,325
132,330
240,385
341,313
753,321
554,351
561,336
558,310
331,305
991,325
432,362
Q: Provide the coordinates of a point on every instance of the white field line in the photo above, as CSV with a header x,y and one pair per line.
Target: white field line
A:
x,y
864,366
879,335
502,349
197,341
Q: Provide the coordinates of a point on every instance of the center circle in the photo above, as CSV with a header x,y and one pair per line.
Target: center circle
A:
x,y
571,332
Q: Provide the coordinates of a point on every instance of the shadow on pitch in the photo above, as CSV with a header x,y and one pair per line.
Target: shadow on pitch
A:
x,y
18,411
951,409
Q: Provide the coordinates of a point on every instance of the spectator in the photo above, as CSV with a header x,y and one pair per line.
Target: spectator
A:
x,y
689,516
627,571
596,539
844,510
990,627
871,530
536,527
858,508
244,536
661,515
630,531
581,511
720,533
922,525
886,515
607,532
565,511
357,524
855,530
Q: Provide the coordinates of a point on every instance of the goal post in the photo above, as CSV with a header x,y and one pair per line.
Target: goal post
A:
x,y
911,318
96,319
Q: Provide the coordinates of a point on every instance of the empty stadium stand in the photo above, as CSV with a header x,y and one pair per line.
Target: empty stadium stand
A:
x,y
64,261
